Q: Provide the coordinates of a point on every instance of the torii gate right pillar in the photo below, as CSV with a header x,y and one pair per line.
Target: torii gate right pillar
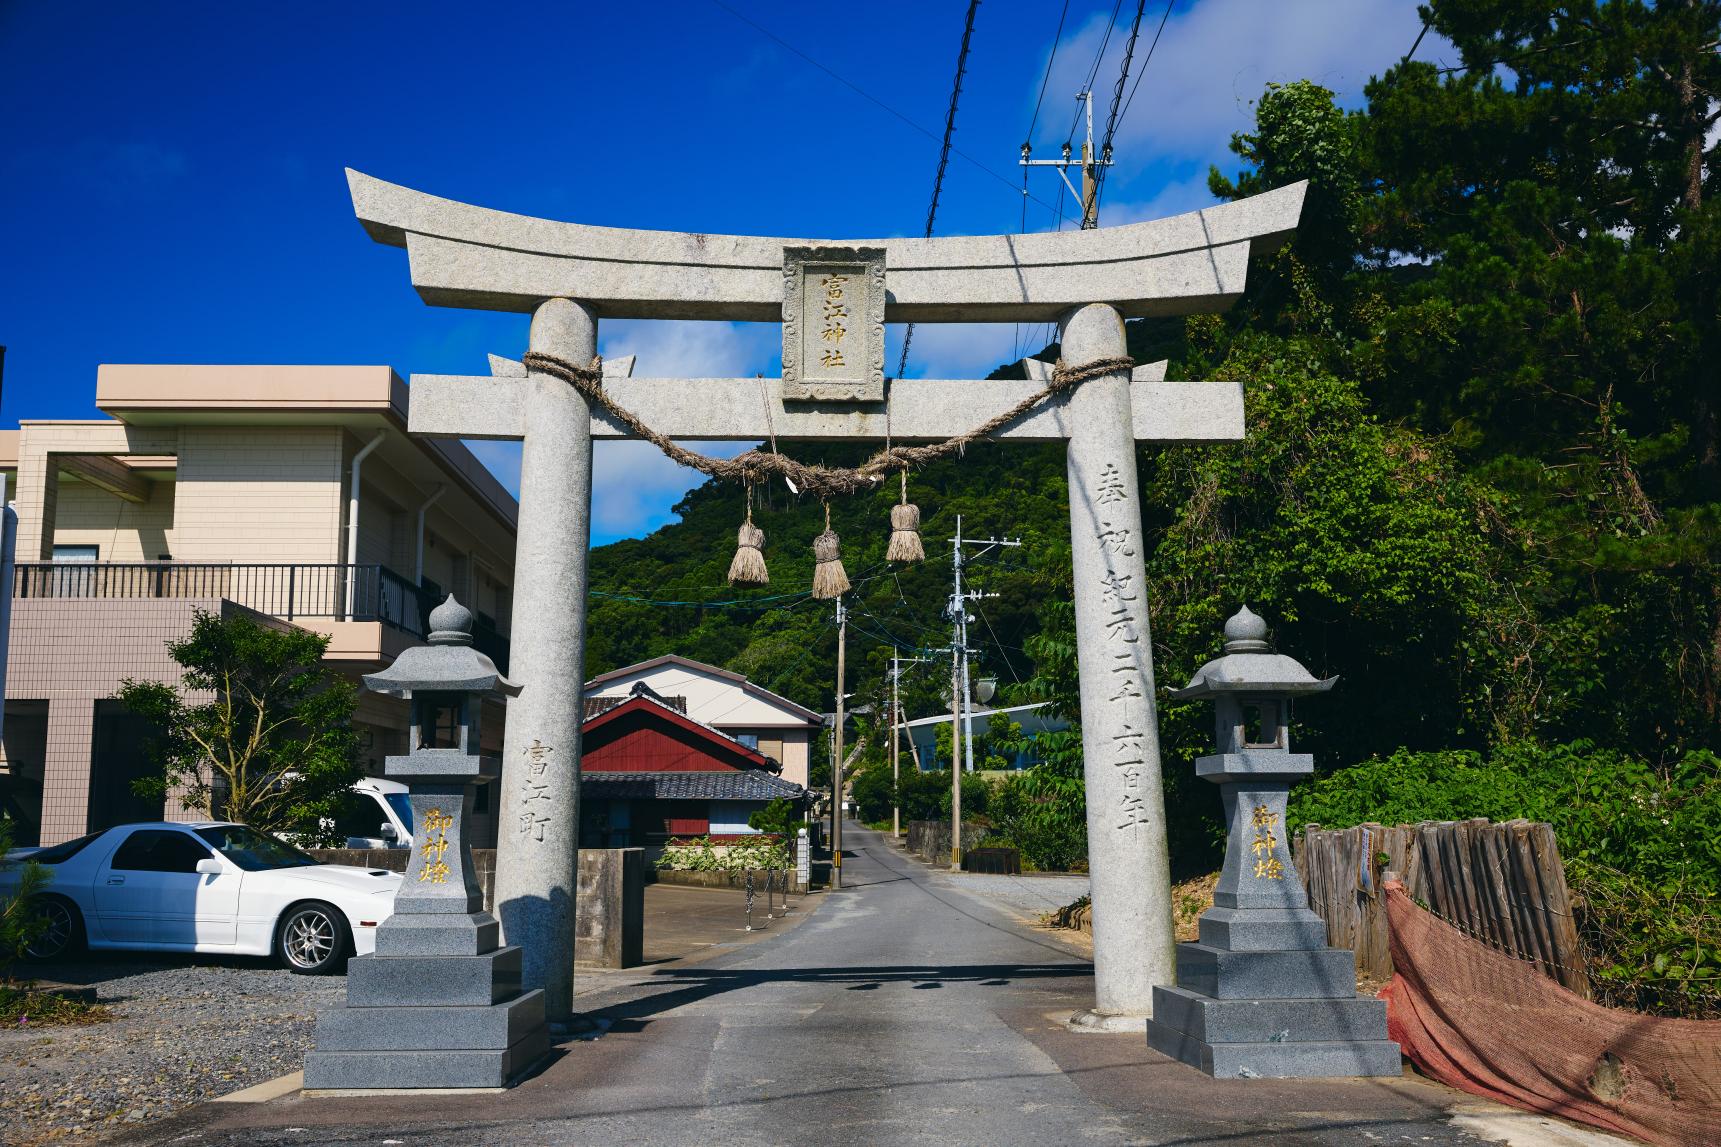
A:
x,y
1128,863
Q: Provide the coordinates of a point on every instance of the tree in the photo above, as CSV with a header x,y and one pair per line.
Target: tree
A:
x,y
272,746
780,816
1561,333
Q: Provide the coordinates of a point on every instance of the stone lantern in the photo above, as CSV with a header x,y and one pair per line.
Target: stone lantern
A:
x,y
439,1004
1261,993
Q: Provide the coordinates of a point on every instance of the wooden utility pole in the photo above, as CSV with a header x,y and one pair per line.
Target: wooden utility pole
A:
x,y
1091,162
837,754
959,710
895,751
956,757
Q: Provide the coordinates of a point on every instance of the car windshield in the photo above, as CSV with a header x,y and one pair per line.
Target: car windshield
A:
x,y
402,808
252,850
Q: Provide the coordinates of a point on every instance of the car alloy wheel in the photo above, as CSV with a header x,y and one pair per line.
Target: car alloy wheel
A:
x,y
312,938
60,934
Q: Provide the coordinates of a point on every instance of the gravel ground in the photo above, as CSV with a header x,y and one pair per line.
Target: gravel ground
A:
x,y
185,1030
1032,895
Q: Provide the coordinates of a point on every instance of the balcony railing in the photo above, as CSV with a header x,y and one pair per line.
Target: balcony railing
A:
x,y
289,591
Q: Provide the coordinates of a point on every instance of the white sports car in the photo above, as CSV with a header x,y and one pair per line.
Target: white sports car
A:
x,y
206,887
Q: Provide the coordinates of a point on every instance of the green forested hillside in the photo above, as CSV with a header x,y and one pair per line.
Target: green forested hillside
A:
x,y
1482,481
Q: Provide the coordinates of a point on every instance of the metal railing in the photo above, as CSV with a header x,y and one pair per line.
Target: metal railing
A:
x,y
290,591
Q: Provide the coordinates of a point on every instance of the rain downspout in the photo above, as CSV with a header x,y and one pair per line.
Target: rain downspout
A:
x,y
353,517
424,507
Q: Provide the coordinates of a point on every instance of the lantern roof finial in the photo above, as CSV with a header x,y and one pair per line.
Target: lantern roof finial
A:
x,y
1246,632
451,624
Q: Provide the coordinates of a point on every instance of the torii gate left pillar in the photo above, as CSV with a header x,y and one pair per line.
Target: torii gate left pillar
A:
x,y
467,256
538,847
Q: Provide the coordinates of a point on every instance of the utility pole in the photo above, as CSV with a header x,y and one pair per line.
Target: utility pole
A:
x,y
1088,196
961,716
837,753
897,730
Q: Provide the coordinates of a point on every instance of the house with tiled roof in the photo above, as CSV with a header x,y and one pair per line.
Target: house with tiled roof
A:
x,y
650,773
722,700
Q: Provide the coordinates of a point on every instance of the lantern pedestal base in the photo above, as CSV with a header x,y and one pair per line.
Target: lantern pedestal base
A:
x,y
406,1042
1280,1014
439,934
339,1071
1273,1039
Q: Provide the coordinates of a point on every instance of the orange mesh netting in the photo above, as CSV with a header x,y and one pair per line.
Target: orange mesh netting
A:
x,y
1495,1026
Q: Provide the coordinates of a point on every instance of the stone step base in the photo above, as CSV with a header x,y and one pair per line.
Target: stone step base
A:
x,y
420,981
1299,974
1310,1060
390,1070
1269,1021
495,1027
471,934
1257,929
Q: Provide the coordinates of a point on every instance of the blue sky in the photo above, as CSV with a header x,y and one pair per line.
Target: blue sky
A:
x,y
172,183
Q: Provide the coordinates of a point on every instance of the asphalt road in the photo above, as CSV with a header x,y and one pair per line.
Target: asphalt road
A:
x,y
902,1011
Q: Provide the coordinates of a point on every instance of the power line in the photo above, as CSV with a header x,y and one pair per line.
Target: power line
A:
x,y
1117,89
944,156
1008,664
1416,45
1028,140
870,98
1045,79
1094,70
1147,59
1117,115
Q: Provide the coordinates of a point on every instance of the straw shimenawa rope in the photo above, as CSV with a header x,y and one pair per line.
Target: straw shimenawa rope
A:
x,y
820,481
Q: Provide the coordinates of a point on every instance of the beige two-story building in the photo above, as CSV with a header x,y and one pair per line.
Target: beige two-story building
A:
x,y
290,491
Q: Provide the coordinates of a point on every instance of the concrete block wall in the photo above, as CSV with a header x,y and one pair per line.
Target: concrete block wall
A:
x,y
38,481
609,903
259,494
72,653
121,531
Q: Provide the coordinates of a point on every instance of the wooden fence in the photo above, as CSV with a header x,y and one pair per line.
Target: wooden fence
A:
x,y
1501,883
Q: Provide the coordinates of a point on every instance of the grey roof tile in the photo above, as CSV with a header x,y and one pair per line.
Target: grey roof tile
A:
x,y
725,786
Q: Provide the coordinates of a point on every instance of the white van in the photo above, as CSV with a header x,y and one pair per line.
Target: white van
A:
x,y
379,818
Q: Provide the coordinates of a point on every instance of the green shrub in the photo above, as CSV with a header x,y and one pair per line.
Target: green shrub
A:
x,y
1045,815
20,921
701,854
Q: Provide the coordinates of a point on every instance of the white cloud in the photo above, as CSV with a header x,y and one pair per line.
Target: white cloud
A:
x,y
633,485
1213,62
953,350
1173,198
683,349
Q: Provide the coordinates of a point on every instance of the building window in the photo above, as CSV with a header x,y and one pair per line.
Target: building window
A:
x,y
751,740
77,553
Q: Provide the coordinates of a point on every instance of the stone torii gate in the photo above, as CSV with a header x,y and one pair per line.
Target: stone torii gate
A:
x,y
567,276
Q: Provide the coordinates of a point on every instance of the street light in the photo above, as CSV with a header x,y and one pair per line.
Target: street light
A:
x,y
985,689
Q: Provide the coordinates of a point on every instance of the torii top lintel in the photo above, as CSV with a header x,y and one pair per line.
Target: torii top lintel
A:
x,y
474,257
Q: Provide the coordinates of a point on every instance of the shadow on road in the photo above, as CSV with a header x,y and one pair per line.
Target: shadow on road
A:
x,y
685,986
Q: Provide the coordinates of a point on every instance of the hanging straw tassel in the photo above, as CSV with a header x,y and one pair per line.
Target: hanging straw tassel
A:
x,y
904,530
829,578
748,565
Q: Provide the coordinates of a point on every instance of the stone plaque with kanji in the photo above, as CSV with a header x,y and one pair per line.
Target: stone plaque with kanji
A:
x,y
833,324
